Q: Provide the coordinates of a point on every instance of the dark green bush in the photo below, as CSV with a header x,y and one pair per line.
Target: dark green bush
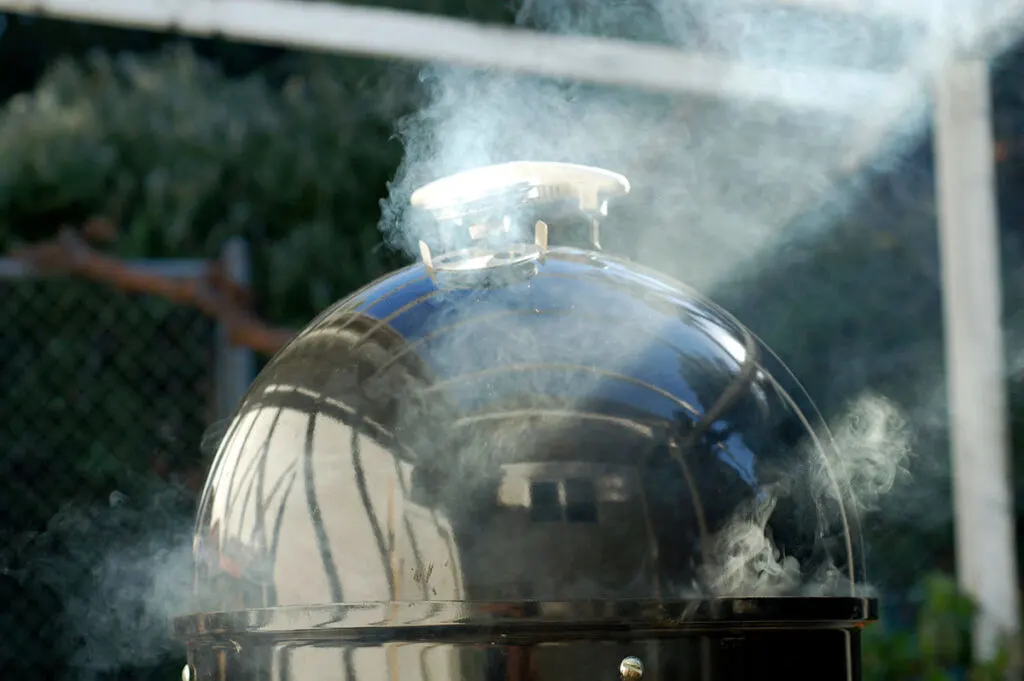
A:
x,y
937,647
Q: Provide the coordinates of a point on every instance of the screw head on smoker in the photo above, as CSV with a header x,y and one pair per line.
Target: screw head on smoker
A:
x,y
631,669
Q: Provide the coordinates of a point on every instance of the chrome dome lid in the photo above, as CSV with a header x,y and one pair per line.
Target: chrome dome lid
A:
x,y
556,427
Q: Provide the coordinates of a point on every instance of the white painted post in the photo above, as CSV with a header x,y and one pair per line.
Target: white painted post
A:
x,y
976,377
235,365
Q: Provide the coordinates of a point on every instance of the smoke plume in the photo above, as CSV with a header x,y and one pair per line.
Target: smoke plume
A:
x,y
119,571
871,452
716,181
873,448
743,558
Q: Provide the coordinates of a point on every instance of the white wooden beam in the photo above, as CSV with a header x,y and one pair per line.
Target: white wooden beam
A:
x,y
386,33
976,374
983,29
928,14
905,11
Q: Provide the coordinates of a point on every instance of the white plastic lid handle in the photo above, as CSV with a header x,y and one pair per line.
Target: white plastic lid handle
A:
x,y
544,181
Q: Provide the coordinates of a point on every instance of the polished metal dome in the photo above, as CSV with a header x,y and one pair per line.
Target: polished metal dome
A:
x,y
518,436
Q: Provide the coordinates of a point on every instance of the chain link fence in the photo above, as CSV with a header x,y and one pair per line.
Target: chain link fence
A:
x,y
104,401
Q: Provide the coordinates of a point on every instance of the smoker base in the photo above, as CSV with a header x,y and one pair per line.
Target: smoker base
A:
x,y
795,654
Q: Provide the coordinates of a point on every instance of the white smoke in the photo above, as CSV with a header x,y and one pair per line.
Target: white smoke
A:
x,y
872,450
715,180
742,558
119,573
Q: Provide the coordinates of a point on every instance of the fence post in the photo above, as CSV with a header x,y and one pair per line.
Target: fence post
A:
x,y
976,373
235,365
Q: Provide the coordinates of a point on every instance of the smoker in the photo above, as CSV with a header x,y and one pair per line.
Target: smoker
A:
x,y
523,459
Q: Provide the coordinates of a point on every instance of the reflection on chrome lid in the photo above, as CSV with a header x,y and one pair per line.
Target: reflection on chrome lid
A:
x,y
524,461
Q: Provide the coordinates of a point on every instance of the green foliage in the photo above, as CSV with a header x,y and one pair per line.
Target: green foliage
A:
x,y
182,158
937,648
292,151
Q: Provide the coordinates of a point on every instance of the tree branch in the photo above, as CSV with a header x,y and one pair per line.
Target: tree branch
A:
x,y
214,294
